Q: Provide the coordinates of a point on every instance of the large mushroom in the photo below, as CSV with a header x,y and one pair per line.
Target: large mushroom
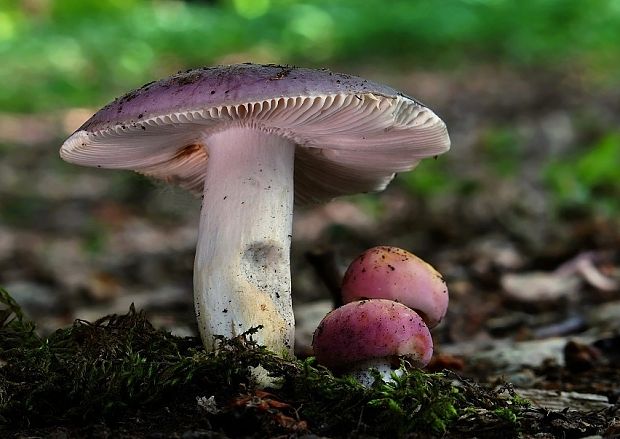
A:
x,y
251,139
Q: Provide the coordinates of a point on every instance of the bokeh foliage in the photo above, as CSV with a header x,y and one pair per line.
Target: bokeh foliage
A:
x,y
63,53
60,54
589,180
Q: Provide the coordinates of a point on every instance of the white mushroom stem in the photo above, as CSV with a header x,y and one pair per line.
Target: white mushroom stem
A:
x,y
242,270
362,371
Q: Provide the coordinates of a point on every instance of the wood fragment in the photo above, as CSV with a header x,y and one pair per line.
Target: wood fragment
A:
x,y
557,400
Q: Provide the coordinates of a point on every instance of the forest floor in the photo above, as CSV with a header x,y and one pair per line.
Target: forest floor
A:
x,y
533,270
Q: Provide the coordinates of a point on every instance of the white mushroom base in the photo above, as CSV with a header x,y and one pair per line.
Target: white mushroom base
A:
x,y
363,374
242,266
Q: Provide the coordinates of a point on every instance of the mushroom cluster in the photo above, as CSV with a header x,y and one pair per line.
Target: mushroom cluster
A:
x,y
252,140
392,298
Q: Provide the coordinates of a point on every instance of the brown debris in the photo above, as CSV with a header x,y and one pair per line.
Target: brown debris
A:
x,y
267,404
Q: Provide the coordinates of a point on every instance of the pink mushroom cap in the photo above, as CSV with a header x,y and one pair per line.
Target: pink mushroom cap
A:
x,y
395,274
371,329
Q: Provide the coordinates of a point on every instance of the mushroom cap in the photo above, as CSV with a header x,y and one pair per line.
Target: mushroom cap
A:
x,y
392,273
370,329
352,134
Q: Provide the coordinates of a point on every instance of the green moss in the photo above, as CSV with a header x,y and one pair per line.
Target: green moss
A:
x,y
120,366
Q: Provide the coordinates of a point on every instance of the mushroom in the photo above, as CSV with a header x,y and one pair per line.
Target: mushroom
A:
x,y
372,334
393,273
250,139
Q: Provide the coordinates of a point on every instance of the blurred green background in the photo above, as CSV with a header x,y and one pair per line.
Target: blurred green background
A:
x,y
530,91
58,54
72,53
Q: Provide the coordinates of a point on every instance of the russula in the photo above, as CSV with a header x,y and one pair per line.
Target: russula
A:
x,y
392,273
371,334
250,139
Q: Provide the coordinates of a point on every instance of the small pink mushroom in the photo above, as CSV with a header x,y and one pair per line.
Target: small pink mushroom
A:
x,y
371,334
395,274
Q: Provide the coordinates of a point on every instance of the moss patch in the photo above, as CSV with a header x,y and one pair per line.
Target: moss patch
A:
x,y
120,373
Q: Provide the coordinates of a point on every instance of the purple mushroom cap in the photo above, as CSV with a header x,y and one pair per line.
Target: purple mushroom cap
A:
x,y
352,134
228,85
371,329
392,273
